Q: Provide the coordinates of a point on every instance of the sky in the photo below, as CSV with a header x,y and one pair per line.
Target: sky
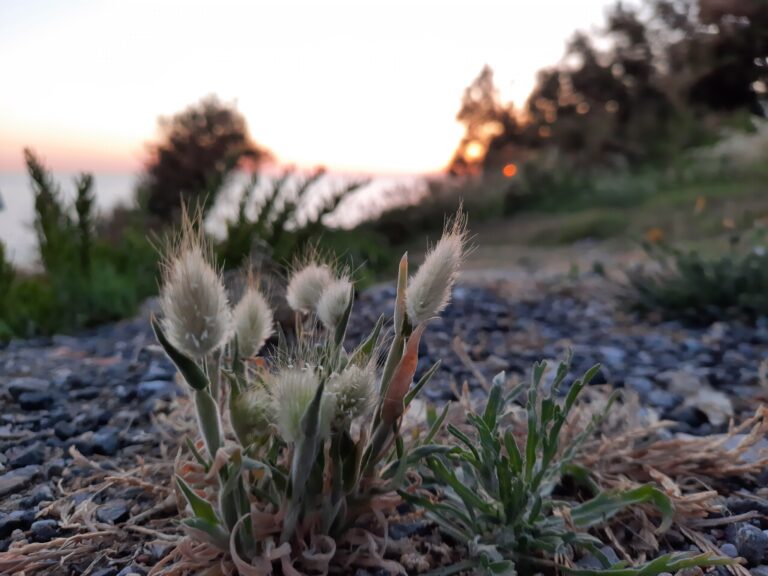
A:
x,y
354,86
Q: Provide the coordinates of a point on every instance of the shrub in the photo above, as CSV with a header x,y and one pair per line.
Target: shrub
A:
x,y
85,280
276,220
498,489
687,285
7,276
199,149
601,225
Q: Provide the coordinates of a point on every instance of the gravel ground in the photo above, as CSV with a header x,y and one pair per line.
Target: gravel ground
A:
x,y
104,393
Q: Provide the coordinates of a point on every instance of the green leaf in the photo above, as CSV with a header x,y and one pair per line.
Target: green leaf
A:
x,y
192,373
341,329
670,563
365,349
196,453
201,507
425,378
215,534
471,500
210,425
607,504
494,404
437,424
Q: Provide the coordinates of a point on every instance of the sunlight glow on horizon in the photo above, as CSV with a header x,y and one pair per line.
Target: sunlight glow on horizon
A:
x,y
355,86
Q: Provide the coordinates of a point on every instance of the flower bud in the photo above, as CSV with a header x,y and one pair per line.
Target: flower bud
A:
x,y
292,391
196,314
334,302
429,290
250,414
355,392
306,286
253,322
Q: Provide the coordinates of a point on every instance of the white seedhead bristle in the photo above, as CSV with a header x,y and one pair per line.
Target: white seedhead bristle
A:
x,y
196,314
334,302
355,392
292,391
429,290
252,414
254,322
306,286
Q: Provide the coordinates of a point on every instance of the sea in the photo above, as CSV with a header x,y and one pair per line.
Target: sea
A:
x,y
118,188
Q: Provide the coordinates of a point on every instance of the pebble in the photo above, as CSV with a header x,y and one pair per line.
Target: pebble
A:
x,y
132,570
156,389
113,512
35,400
19,386
41,493
729,550
18,479
26,456
750,541
44,530
15,520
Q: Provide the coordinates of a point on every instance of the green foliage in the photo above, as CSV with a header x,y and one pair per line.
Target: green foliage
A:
x,y
276,220
591,226
86,280
499,487
688,285
7,277
318,443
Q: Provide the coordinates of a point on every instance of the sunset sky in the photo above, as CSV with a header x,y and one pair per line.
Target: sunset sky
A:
x,y
363,85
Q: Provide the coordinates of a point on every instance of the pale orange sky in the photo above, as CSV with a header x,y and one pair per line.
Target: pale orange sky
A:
x,y
363,85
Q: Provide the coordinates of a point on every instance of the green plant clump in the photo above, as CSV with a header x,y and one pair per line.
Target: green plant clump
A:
x,y
697,288
277,220
498,488
314,447
85,280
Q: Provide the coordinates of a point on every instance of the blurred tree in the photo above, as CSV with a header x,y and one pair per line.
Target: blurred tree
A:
x,y
491,127
199,149
663,74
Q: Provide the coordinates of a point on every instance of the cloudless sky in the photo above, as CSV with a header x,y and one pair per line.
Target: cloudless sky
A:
x,y
364,85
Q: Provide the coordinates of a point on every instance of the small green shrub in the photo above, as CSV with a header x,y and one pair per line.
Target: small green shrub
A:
x,y
86,280
687,285
277,221
498,489
591,226
7,277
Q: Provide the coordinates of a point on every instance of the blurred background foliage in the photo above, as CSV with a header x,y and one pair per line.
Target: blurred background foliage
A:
x,y
651,128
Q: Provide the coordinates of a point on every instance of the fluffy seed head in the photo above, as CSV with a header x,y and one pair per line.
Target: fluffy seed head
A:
x,y
429,290
306,286
251,414
292,392
355,392
196,314
334,302
254,322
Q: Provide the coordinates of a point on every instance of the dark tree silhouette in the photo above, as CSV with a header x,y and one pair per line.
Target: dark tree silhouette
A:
x,y
648,85
198,150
